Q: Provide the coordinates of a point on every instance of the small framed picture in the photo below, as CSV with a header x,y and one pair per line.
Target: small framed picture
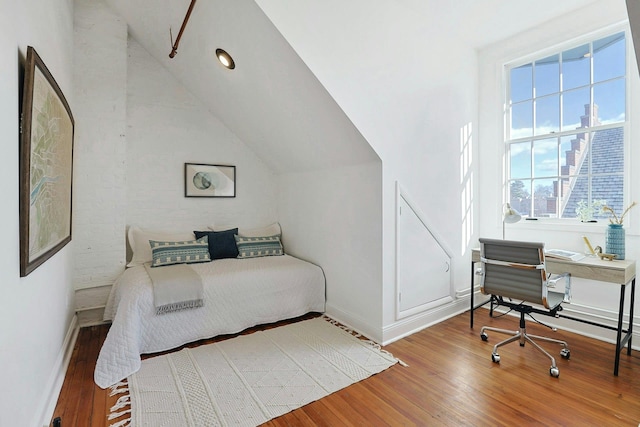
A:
x,y
202,180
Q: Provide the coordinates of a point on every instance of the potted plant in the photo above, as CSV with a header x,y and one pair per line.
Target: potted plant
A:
x,y
585,211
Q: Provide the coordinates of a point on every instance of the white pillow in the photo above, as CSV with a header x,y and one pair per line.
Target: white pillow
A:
x,y
269,230
140,247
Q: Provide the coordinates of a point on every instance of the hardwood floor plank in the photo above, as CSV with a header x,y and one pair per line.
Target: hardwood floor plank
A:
x,y
404,401
100,407
86,398
75,382
450,381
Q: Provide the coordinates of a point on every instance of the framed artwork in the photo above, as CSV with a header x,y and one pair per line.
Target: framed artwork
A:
x,y
46,166
202,180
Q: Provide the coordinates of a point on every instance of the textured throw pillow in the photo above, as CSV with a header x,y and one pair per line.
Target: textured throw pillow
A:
x,y
251,247
139,242
186,252
221,243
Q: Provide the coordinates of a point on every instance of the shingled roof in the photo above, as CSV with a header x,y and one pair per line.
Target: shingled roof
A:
x,y
607,155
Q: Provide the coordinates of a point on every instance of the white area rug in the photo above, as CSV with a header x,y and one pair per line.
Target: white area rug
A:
x,y
247,380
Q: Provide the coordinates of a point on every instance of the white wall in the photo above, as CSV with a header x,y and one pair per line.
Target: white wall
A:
x,y
593,298
166,127
100,87
333,218
412,95
36,310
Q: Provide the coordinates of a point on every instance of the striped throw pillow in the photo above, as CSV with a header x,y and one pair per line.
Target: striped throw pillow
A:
x,y
185,252
251,247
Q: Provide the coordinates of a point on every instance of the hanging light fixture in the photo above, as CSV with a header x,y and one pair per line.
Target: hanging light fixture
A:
x,y
225,59
174,47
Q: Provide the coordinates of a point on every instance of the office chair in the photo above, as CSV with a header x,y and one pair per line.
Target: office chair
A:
x,y
513,271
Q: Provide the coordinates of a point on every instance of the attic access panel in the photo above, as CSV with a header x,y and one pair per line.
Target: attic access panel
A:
x,y
423,265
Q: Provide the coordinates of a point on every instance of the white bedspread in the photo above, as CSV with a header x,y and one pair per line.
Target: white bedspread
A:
x,y
238,293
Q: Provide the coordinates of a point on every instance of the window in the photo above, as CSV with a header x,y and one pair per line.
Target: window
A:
x,y
565,128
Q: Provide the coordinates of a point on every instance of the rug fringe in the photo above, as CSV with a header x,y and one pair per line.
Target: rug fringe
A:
x,y
118,384
122,402
115,415
367,340
123,423
117,388
341,326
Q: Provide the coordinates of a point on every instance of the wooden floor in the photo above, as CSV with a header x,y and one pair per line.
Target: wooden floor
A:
x,y
450,381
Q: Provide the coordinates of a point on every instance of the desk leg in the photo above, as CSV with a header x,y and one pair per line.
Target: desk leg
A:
x,y
619,332
472,307
632,302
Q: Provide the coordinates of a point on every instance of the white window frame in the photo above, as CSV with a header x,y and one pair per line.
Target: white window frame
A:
x,y
625,125
489,189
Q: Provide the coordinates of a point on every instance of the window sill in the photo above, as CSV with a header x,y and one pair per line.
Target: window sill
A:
x,y
566,225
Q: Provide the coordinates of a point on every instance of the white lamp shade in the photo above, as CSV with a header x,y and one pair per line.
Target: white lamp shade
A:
x,y
510,215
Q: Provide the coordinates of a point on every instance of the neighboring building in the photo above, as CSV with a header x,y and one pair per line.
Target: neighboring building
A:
x,y
607,157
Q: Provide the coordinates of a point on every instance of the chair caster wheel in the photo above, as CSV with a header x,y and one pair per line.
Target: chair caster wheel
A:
x,y
565,353
554,372
484,336
495,357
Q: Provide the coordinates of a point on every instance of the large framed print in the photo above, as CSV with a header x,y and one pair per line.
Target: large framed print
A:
x,y
46,166
201,180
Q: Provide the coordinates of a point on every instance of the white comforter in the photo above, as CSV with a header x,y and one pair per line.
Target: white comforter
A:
x,y
238,293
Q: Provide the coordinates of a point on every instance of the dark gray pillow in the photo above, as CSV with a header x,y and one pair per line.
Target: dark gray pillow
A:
x,y
222,244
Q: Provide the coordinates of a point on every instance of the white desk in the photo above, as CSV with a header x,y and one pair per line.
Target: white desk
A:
x,y
622,272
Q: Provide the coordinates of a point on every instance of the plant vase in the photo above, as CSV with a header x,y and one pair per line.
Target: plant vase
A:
x,y
614,240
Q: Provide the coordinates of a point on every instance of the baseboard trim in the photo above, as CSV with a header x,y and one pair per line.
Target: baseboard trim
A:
x,y
401,328
56,379
407,326
90,316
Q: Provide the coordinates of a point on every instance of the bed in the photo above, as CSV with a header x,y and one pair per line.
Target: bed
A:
x,y
237,294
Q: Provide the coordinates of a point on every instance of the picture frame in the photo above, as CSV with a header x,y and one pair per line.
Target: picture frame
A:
x,y
46,166
205,180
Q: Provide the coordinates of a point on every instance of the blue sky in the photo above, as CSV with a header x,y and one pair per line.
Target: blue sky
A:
x,y
608,91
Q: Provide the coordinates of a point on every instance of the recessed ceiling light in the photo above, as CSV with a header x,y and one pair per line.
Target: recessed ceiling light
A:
x,y
225,59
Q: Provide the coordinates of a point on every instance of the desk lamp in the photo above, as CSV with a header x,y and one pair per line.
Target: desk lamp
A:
x,y
509,215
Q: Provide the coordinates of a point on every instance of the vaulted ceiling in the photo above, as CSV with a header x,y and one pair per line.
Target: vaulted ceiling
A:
x,y
272,100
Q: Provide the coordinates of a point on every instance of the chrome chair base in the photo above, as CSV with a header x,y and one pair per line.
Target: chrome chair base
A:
x,y
522,337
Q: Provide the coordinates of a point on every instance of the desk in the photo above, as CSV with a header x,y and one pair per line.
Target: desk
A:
x,y
621,272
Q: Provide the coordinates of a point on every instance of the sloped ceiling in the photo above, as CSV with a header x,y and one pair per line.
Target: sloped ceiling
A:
x,y
272,101
489,21
633,8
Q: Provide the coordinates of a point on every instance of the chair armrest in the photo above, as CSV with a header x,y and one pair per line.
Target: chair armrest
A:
x,y
553,281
